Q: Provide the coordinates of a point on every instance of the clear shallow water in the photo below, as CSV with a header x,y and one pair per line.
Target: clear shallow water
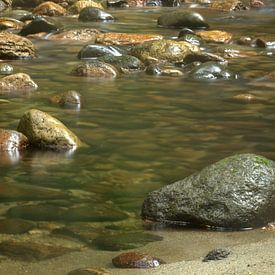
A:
x,y
143,131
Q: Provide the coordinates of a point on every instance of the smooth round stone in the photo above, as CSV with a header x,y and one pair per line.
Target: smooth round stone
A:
x,y
124,63
90,271
136,260
164,70
80,5
94,14
11,140
39,24
95,69
15,226
10,23
70,99
192,39
93,50
215,36
212,70
187,19
6,69
124,241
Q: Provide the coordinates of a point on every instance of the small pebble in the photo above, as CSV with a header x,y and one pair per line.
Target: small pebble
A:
x,y
217,254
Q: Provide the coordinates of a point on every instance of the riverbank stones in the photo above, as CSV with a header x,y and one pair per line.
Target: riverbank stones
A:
x,y
13,46
236,192
95,69
183,19
19,82
47,132
136,260
94,14
11,140
49,9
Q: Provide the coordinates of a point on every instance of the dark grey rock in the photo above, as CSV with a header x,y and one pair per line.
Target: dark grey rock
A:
x,y
187,19
117,3
211,70
217,254
236,192
39,24
94,14
93,50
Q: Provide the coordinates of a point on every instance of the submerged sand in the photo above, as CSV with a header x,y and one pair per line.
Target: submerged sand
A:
x,y
253,253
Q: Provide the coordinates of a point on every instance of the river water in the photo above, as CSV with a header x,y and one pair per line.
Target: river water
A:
x,y
143,132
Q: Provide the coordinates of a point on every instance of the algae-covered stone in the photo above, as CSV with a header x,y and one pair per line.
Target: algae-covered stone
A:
x,y
236,192
164,50
47,132
187,19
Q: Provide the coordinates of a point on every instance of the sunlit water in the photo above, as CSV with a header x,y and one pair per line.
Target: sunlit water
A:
x,y
143,131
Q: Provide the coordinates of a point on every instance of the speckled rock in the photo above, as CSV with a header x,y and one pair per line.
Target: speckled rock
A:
x,y
217,254
80,5
47,132
19,82
94,14
50,9
6,69
31,251
215,36
12,140
83,35
70,99
136,260
124,63
164,50
90,271
94,50
13,46
95,69
228,5
187,19
114,38
236,192
10,23
15,226
38,25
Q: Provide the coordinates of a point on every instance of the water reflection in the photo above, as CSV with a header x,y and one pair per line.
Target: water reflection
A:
x,y
9,157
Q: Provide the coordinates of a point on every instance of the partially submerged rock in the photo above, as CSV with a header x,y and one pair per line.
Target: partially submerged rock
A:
x,y
217,254
10,23
94,14
95,69
50,9
80,5
228,5
15,226
19,82
136,260
115,38
187,19
215,36
90,271
164,50
94,50
47,132
12,140
236,192
13,46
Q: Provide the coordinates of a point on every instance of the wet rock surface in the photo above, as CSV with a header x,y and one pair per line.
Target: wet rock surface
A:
x,y
6,69
235,192
50,9
70,99
215,36
13,46
94,14
19,82
89,271
15,226
31,251
10,23
217,254
12,140
95,69
136,260
80,5
83,35
45,131
93,50
186,19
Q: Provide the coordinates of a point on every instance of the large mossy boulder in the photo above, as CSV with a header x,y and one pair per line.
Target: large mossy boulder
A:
x,y
46,132
236,192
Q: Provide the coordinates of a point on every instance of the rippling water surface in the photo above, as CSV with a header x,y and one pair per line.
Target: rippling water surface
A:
x,y
143,131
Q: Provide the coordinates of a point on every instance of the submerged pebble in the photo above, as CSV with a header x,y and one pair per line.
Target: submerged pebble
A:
x,y
90,271
217,254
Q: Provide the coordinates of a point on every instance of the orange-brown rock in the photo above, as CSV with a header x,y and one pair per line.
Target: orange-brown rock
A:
x,y
113,38
215,36
136,260
10,23
12,140
228,5
50,9
13,46
79,5
84,35
16,82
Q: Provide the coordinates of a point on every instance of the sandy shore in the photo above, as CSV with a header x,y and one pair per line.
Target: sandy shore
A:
x,y
253,253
